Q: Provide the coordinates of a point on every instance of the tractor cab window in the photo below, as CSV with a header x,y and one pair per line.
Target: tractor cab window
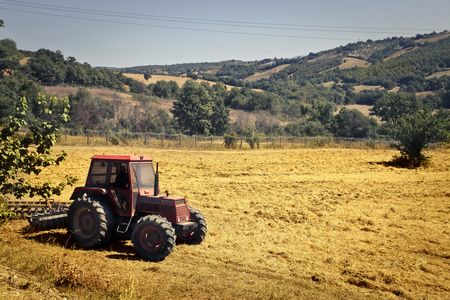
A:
x,y
97,175
143,175
119,175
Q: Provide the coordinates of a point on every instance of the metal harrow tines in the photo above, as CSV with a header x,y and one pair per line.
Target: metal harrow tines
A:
x,y
24,209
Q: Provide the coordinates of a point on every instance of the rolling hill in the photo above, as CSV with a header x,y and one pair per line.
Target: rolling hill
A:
x,y
290,90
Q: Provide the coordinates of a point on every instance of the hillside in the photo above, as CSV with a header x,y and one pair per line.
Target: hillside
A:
x,y
361,54
393,64
289,96
130,104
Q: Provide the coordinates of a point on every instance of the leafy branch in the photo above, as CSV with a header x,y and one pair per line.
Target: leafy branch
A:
x,y
26,154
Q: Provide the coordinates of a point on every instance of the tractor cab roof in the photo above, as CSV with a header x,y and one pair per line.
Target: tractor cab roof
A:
x,y
134,158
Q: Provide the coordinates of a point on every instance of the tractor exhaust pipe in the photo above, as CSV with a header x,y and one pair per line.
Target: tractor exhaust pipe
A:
x,y
156,188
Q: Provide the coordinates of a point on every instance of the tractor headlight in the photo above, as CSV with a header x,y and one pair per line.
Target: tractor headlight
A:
x,y
178,219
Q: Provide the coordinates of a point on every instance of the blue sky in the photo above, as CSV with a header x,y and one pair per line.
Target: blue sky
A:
x,y
134,33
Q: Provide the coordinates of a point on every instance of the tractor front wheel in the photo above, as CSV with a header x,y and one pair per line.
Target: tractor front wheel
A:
x,y
197,235
153,238
90,222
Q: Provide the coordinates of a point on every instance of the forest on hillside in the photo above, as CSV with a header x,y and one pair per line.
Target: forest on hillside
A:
x,y
302,79
305,95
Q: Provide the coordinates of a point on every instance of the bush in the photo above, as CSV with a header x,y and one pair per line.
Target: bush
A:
x,y
416,131
252,137
5,213
230,141
114,140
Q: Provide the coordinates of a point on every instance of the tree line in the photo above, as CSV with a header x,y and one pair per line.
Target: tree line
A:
x,y
296,95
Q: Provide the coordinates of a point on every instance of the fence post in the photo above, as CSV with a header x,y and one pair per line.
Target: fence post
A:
x,y
106,137
87,136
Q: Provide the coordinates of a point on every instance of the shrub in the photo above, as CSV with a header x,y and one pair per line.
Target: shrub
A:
x,y
416,131
252,137
5,213
230,141
114,140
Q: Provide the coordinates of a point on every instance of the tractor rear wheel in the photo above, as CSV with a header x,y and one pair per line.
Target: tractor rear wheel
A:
x,y
153,238
197,235
91,222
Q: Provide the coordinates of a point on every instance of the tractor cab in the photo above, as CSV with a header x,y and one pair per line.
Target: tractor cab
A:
x,y
123,178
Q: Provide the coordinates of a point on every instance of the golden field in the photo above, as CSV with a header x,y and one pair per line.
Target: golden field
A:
x,y
179,80
282,224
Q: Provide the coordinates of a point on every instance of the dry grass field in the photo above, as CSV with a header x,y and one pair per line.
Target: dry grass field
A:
x,y
65,91
439,74
179,80
351,62
282,224
365,109
266,74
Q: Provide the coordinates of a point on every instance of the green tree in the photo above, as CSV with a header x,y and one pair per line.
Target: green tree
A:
x,y
88,112
416,131
23,155
165,89
197,112
48,66
393,106
306,128
8,57
353,123
155,120
220,118
323,111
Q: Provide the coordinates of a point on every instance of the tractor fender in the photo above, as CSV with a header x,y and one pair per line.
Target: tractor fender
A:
x,y
89,191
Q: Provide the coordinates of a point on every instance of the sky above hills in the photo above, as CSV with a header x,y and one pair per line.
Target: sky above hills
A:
x,y
117,33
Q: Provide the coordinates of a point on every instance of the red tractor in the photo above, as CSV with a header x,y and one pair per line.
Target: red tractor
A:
x,y
121,198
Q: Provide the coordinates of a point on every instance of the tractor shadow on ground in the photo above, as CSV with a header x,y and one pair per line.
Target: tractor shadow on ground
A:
x,y
118,249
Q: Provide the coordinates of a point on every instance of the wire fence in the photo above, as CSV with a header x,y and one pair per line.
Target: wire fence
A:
x,y
163,140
